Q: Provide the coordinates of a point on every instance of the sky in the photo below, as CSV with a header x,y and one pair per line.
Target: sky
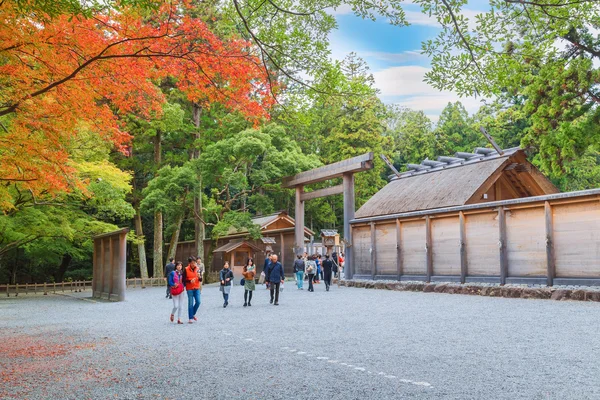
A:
x,y
394,56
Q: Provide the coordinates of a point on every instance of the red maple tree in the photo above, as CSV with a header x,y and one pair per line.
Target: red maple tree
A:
x,y
60,74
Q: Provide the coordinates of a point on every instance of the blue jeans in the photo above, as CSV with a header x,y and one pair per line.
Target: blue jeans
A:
x,y
300,279
193,307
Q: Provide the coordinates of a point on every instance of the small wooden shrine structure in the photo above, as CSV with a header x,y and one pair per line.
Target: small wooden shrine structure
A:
x,y
278,237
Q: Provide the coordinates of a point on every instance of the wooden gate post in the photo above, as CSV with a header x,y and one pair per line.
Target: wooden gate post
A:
x,y
299,222
349,209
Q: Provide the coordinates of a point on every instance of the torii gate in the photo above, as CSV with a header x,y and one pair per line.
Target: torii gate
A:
x,y
344,169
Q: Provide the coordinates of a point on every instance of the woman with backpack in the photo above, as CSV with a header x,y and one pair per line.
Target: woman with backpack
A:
x,y
226,277
175,280
249,273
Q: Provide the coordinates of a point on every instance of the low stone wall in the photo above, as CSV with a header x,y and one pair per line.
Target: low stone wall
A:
x,y
511,291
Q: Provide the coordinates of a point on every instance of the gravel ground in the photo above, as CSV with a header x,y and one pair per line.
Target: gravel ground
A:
x,y
348,343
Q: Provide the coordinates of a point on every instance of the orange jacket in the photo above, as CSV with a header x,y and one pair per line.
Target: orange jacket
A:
x,y
190,274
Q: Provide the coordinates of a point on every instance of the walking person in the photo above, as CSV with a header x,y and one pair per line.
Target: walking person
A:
x,y
299,266
193,286
266,267
249,273
226,277
175,282
319,269
311,268
328,267
200,265
170,267
276,278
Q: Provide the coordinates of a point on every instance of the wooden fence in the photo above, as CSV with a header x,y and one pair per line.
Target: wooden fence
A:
x,y
552,239
70,287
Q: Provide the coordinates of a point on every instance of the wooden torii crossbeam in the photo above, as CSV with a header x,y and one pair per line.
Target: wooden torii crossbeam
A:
x,y
344,169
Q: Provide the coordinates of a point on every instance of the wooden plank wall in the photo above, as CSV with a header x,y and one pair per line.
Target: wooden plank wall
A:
x,y
414,257
445,240
482,241
362,255
577,239
539,241
385,237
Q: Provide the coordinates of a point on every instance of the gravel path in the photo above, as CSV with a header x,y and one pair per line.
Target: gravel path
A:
x,y
348,343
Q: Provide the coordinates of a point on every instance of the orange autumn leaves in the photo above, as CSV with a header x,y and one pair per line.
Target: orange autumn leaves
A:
x,y
70,73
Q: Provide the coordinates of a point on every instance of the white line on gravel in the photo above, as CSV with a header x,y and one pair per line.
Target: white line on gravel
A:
x,y
322,358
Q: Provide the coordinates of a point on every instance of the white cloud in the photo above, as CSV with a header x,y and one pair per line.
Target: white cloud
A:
x,y
418,18
344,9
402,81
405,86
402,57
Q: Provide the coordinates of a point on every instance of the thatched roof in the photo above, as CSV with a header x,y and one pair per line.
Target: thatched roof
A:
x,y
453,181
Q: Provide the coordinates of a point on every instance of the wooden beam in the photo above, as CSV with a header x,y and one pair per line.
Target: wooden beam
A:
x,y
463,247
335,170
322,193
541,181
503,254
299,218
399,248
349,209
428,249
373,252
508,186
551,260
489,182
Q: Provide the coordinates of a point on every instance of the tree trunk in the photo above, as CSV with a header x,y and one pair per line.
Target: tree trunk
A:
x,y
198,225
141,247
175,238
157,270
66,261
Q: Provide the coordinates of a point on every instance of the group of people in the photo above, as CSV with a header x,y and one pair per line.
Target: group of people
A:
x,y
316,269
190,279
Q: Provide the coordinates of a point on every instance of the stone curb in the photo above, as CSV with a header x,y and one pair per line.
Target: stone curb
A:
x,y
491,291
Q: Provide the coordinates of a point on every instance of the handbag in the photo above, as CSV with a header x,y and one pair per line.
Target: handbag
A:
x,y
261,280
242,282
178,288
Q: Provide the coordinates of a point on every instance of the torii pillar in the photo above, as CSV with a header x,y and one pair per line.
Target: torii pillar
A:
x,y
344,169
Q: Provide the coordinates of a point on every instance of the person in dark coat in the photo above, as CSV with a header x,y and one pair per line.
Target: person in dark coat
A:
x,y
170,267
299,271
327,270
266,266
276,278
226,277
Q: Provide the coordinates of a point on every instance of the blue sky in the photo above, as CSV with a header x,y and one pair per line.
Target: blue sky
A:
x,y
394,56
